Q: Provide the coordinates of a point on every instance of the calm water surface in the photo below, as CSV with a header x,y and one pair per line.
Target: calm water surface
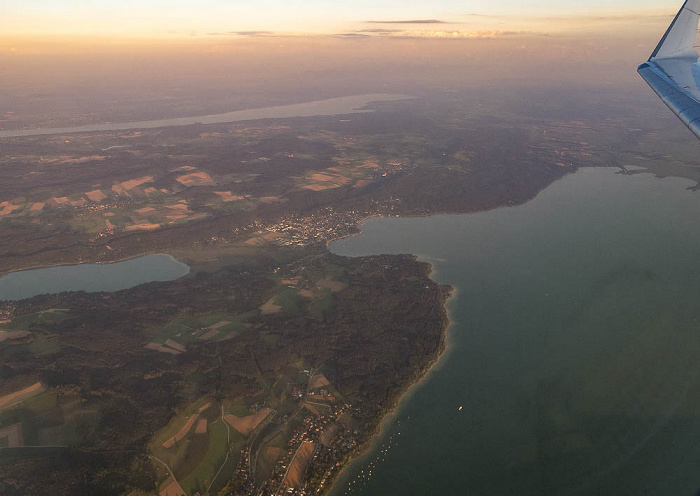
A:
x,y
91,277
574,348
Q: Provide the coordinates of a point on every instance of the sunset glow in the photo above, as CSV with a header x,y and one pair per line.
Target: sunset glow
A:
x,y
363,18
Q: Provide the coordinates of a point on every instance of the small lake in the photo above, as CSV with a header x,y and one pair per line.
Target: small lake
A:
x,y
332,106
91,277
573,349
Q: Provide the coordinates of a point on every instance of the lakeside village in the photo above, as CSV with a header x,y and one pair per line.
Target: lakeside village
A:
x,y
295,446
290,230
294,230
314,453
315,229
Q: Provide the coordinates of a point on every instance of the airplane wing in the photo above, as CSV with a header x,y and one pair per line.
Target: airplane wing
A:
x,y
673,71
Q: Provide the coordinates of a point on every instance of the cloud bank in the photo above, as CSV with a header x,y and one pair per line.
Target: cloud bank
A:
x,y
412,21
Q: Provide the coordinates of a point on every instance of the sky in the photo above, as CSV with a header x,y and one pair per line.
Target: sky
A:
x,y
355,18
140,59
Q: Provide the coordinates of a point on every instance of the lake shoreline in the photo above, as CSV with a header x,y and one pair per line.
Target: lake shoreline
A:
x,y
405,394
472,249
411,386
85,266
449,294
81,262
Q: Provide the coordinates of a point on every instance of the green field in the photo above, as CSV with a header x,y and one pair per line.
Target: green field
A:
x,y
187,329
28,321
201,476
44,346
174,426
322,304
289,300
196,458
237,407
50,420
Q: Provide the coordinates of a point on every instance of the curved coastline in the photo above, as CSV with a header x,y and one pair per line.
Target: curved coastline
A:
x,y
350,479
363,450
394,408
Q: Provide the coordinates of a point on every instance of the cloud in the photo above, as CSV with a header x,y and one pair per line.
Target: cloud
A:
x,y
379,31
562,24
411,21
487,16
573,18
352,35
609,18
431,34
464,34
414,33
252,33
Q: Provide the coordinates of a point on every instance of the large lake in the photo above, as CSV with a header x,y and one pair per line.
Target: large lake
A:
x,y
91,277
332,106
574,349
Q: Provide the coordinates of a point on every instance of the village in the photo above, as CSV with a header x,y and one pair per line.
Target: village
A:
x,y
293,449
312,455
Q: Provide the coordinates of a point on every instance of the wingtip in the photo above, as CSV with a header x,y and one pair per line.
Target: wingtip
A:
x,y
679,39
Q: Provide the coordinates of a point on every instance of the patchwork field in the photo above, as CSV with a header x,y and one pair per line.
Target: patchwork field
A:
x,y
6,335
263,238
142,194
133,204
12,399
329,434
286,301
270,307
185,429
196,179
212,459
37,416
328,283
318,381
343,174
11,437
321,394
246,425
24,323
195,444
172,489
176,335
295,474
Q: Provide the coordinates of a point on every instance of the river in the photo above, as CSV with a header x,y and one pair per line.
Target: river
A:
x,y
332,106
91,277
573,350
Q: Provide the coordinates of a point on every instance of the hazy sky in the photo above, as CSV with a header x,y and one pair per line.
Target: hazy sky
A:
x,y
178,18
109,60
